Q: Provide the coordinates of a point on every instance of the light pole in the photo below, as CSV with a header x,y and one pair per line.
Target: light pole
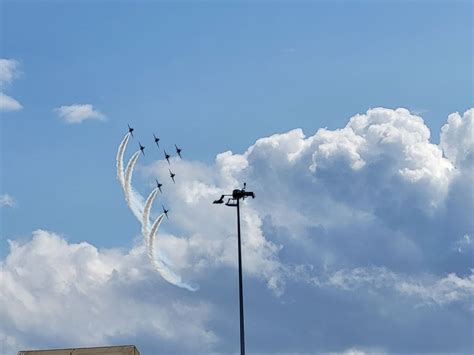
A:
x,y
234,201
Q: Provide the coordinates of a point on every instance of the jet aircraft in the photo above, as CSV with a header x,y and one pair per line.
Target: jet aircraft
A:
x,y
142,148
157,140
178,150
158,185
165,211
130,130
167,157
172,175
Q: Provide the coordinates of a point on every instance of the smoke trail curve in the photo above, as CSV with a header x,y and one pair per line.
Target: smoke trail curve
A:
x,y
135,202
146,213
133,198
119,159
159,266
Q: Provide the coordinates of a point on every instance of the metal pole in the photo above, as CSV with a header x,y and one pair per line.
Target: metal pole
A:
x,y
241,292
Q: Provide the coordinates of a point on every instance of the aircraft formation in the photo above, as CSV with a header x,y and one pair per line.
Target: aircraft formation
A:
x,y
167,157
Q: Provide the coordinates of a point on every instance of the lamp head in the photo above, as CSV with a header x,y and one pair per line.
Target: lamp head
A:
x,y
219,201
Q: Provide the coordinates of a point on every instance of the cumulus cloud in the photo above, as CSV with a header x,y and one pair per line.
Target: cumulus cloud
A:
x,y
213,245
78,113
457,137
350,245
379,178
394,141
47,283
7,201
9,71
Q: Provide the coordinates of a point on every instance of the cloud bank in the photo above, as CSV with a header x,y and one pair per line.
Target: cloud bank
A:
x,y
48,283
356,242
78,113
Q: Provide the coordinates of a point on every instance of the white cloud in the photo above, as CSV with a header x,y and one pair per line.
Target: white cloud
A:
x,y
426,288
457,138
7,201
376,192
213,245
8,103
47,282
375,179
393,140
449,289
361,351
78,113
9,71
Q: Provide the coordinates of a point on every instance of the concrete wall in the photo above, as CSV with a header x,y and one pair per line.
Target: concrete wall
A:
x,y
105,350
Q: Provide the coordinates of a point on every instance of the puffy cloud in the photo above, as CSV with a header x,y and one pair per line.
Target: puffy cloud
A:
x,y
7,201
9,71
379,179
8,103
213,245
355,230
457,142
457,138
113,296
47,283
78,113
393,142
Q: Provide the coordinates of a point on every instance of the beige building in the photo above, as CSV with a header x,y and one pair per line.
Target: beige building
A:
x,y
103,350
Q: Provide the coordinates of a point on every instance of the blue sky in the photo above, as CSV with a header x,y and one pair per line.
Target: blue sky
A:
x,y
215,77
210,77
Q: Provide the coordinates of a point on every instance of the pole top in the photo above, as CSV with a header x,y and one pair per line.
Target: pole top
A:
x,y
236,195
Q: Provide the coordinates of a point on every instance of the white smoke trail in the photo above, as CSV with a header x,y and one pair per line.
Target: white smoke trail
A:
x,y
146,213
158,264
119,160
136,204
133,198
141,211
136,201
